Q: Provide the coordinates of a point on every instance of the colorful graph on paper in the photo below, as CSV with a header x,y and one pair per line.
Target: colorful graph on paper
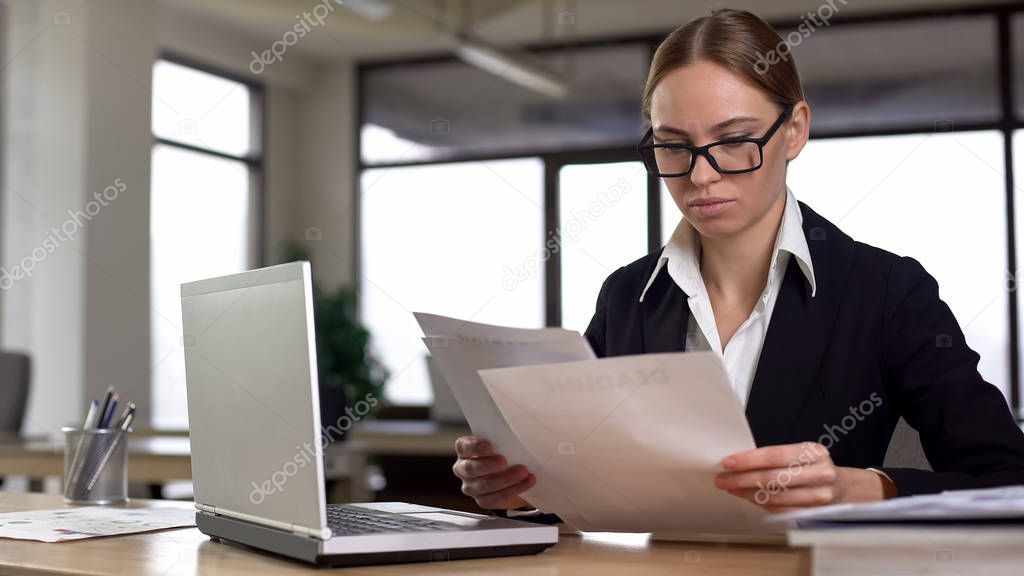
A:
x,y
90,522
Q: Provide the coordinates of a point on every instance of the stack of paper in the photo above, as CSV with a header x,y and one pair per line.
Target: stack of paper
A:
x,y
630,443
90,522
954,533
989,504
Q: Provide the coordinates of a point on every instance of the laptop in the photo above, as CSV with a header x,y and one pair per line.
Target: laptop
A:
x,y
257,457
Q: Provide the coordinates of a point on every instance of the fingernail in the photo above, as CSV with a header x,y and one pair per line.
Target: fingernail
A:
x,y
728,462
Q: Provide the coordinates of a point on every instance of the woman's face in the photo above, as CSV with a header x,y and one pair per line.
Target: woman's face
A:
x,y
702,103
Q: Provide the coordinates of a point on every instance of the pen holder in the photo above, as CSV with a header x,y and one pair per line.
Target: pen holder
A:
x,y
96,466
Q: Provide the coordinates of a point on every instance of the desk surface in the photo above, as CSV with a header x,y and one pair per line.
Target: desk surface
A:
x,y
187,551
154,459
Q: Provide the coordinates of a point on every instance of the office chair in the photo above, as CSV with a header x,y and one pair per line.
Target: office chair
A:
x,y
15,378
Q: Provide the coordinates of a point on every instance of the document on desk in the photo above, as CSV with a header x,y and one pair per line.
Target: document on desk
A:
x,y
635,440
1000,504
90,522
461,348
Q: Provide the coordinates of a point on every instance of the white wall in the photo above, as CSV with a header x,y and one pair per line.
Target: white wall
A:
x,y
76,201
326,175
118,76
76,119
44,176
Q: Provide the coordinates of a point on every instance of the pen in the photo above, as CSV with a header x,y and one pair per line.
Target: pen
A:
x,y
128,421
90,417
90,422
128,410
106,403
110,413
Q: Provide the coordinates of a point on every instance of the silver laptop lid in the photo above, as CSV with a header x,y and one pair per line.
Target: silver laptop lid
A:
x,y
253,399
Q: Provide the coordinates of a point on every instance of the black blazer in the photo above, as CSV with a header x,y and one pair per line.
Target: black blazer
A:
x,y
873,344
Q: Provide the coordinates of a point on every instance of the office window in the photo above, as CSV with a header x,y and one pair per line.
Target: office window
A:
x,y
460,239
670,214
939,198
201,109
603,225
911,73
205,170
449,109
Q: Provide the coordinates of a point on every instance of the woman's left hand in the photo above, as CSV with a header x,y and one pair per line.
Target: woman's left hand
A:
x,y
792,476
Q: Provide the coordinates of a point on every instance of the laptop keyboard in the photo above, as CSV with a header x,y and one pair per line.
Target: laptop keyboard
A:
x,y
346,520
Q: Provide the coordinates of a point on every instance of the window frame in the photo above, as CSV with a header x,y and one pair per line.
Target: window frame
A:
x,y
254,160
1007,122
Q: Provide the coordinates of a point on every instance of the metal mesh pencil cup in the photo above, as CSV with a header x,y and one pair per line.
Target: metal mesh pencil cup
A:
x,y
95,466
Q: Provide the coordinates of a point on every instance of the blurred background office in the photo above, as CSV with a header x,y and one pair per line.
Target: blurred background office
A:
x,y
468,158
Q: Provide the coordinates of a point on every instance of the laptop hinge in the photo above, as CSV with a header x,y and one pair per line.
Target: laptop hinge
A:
x,y
324,534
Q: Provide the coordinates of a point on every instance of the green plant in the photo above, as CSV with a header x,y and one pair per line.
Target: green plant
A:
x,y
344,359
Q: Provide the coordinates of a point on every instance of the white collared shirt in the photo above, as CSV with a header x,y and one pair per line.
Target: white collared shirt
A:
x,y
681,257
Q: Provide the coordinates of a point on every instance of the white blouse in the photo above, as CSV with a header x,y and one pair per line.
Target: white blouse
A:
x,y
681,257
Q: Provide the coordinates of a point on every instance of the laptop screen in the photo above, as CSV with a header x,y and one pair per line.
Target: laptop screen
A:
x,y
253,401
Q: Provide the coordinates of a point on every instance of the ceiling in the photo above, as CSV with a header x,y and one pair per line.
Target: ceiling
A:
x,y
419,27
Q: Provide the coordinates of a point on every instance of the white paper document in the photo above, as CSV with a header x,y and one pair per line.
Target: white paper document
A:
x,y
90,522
630,443
989,504
635,441
461,348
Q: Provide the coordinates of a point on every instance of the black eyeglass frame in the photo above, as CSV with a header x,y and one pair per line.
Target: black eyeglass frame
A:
x,y
646,143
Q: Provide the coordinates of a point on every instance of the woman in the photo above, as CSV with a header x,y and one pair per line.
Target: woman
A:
x,y
827,341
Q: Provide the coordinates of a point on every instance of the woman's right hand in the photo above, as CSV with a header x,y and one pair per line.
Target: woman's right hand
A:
x,y
487,477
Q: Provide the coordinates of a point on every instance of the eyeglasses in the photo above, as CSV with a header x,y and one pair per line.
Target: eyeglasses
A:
x,y
730,156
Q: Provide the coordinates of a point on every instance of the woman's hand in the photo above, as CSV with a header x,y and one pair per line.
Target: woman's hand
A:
x,y
487,477
792,476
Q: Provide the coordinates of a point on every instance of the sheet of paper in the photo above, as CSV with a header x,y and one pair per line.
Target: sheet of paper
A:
x,y
90,522
1001,503
461,348
436,325
636,440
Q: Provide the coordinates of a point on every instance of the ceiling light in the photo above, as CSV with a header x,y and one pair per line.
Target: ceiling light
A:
x,y
375,10
514,68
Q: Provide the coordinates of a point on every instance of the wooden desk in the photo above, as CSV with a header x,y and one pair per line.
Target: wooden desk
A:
x,y
384,437
187,551
151,460
158,459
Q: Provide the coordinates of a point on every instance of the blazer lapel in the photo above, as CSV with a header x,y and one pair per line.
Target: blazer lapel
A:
x,y
665,316
799,333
